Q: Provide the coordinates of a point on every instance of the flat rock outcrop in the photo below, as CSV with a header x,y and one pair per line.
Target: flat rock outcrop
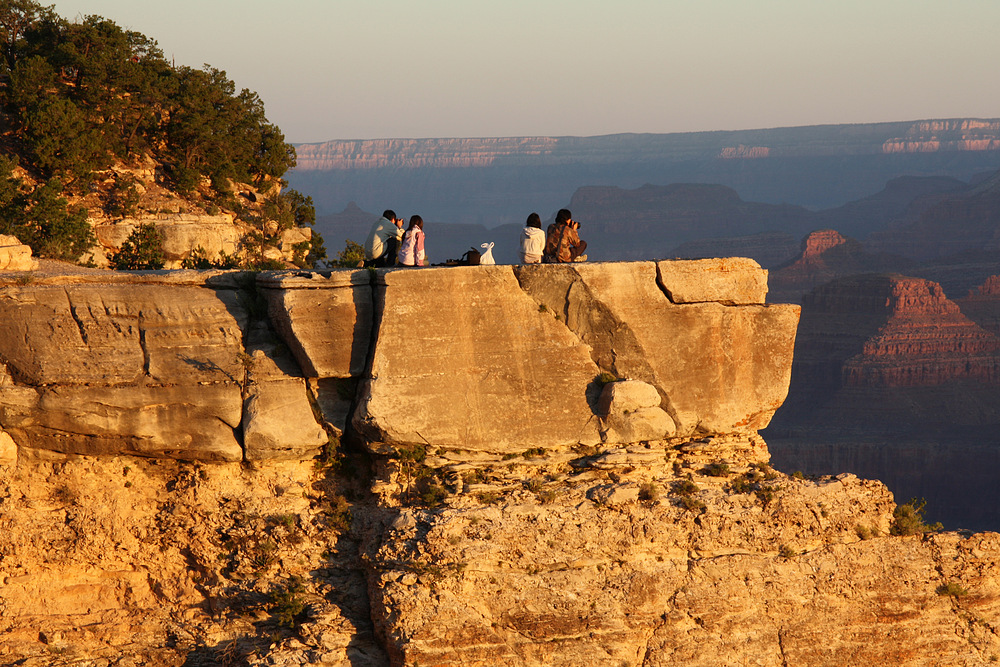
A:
x,y
151,364
550,465
506,358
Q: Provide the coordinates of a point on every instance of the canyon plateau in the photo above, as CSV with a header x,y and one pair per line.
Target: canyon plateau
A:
x,y
538,465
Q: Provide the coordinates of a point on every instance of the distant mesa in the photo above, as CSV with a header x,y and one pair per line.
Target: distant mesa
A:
x,y
952,135
744,152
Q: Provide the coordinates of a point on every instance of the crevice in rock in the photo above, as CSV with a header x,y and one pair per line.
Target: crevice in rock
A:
x,y
76,318
662,286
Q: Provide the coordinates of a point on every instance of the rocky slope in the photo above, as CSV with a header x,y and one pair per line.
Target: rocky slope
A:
x,y
532,473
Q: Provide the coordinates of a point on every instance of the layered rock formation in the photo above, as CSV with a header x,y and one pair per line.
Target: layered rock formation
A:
x,y
494,181
153,365
890,379
651,221
982,305
825,255
962,221
551,465
865,334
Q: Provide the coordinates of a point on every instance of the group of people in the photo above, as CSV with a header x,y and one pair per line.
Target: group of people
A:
x,y
560,243
388,244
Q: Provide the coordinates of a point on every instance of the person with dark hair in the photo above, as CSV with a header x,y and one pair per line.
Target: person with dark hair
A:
x,y
532,240
383,240
562,240
411,252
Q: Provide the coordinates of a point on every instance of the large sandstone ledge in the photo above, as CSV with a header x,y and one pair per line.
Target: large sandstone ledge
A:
x,y
224,366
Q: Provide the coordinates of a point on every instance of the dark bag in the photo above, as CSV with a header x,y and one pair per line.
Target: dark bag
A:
x,y
471,257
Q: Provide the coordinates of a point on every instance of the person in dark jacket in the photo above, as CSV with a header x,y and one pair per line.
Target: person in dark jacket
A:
x,y
562,240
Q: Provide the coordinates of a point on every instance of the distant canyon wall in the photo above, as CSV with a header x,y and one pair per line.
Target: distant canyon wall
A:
x,y
495,181
914,137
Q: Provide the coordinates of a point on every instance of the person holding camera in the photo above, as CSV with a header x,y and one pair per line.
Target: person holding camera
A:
x,y
562,240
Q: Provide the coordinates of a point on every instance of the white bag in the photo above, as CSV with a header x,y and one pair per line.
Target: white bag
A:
x,y
487,256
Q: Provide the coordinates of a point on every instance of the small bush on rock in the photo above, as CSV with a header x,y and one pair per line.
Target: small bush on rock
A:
x,y
716,469
908,519
952,589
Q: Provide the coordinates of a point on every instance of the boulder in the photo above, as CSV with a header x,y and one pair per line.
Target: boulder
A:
x,y
101,333
278,422
718,368
325,319
14,255
8,449
632,413
730,281
186,422
181,233
465,359
145,364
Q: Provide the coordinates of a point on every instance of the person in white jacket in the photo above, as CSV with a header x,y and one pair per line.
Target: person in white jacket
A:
x,y
532,240
411,253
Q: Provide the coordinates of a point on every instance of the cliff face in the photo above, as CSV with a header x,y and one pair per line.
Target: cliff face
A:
x,y
497,501
494,181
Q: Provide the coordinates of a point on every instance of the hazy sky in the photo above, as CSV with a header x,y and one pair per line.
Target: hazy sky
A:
x,y
361,69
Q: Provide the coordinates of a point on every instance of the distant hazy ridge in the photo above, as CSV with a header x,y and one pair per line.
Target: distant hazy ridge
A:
x,y
865,139
493,181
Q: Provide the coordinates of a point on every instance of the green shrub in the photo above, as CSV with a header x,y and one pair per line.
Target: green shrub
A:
x,y
787,552
765,496
740,485
691,504
432,495
649,491
685,487
488,497
142,250
605,378
716,469
952,589
287,603
908,519
351,256
339,514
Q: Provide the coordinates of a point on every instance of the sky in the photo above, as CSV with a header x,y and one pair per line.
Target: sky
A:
x,y
372,69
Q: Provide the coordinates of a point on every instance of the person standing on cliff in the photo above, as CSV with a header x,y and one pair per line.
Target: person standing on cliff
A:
x,y
562,240
532,240
383,240
411,252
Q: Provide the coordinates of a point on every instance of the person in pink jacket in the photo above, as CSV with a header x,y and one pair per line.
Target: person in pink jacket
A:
x,y
411,252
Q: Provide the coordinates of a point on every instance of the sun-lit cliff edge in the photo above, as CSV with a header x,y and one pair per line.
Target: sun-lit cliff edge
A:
x,y
536,465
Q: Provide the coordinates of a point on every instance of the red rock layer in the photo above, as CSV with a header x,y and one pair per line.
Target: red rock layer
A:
x,y
925,341
982,306
826,255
